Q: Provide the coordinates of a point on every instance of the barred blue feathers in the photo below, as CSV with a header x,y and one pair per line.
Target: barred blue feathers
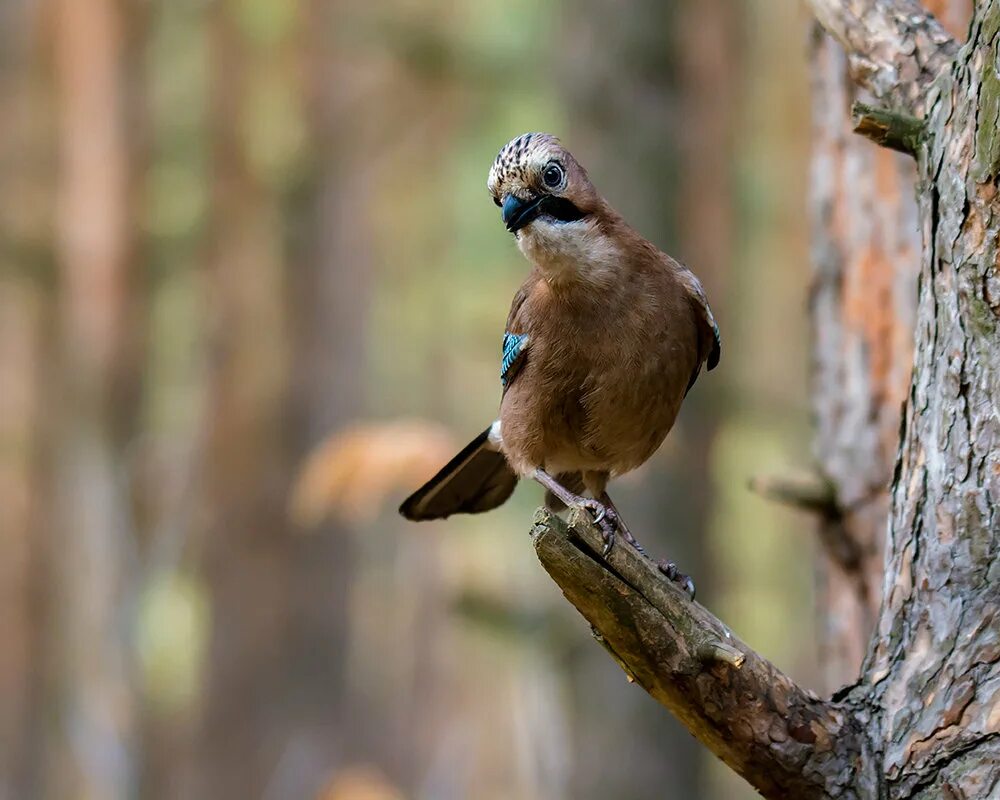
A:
x,y
513,348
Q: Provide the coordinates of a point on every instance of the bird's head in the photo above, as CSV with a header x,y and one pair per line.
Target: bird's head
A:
x,y
548,202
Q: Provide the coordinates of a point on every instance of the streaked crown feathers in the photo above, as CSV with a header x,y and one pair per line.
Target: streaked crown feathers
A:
x,y
520,162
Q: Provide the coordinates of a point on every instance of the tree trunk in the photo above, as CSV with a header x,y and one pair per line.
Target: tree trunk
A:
x,y
922,720
91,691
246,541
866,257
25,314
933,670
866,248
287,287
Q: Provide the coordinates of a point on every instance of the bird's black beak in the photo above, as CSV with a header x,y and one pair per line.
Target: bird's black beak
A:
x,y
518,213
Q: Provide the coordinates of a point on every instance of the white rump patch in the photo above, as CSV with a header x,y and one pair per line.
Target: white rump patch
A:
x,y
495,438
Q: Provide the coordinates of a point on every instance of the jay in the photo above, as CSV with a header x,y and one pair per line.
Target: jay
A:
x,y
603,341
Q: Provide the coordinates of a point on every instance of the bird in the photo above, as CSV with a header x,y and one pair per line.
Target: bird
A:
x,y
603,341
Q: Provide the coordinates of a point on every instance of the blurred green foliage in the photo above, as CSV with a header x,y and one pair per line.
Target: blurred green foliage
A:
x,y
467,675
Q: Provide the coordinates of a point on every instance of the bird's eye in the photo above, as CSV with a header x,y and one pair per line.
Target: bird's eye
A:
x,y
553,175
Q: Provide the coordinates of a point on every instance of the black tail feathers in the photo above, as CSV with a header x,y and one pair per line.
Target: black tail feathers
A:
x,y
477,479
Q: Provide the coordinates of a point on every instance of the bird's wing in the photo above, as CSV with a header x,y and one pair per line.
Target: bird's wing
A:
x,y
709,340
716,345
515,348
515,341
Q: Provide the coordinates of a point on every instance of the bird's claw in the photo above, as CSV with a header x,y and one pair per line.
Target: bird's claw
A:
x,y
669,568
605,519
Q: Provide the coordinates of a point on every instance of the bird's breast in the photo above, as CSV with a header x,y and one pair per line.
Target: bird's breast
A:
x,y
596,393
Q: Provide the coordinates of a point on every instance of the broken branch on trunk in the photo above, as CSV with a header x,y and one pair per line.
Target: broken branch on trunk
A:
x,y
899,132
807,491
815,493
781,738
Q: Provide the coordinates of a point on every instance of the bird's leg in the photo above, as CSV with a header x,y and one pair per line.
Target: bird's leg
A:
x,y
605,518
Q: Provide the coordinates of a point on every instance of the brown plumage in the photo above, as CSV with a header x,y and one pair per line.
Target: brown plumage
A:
x,y
606,336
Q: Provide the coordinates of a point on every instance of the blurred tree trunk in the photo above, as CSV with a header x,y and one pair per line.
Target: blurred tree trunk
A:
x,y
95,386
658,111
25,310
288,333
866,256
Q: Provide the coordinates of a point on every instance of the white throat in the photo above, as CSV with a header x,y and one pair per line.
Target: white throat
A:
x,y
565,251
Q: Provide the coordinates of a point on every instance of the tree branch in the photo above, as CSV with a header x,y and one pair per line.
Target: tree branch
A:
x,y
895,47
782,739
807,491
899,132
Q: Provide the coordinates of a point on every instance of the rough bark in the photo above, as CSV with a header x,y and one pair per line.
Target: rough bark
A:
x,y
933,673
922,720
894,47
930,685
866,257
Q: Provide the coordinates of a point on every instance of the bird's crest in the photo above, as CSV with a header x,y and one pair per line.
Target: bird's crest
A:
x,y
513,162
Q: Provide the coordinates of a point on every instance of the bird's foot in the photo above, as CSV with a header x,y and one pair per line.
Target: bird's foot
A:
x,y
610,523
669,568
622,527
605,518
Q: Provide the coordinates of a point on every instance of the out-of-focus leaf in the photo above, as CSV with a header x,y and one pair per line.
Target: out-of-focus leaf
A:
x,y
351,473
172,631
360,783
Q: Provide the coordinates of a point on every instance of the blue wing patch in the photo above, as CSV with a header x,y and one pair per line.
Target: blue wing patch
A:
x,y
514,345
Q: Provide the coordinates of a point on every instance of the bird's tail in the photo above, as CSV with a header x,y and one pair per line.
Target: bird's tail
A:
x,y
477,479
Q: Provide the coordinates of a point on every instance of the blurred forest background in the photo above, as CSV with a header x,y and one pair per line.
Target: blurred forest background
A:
x,y
252,289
